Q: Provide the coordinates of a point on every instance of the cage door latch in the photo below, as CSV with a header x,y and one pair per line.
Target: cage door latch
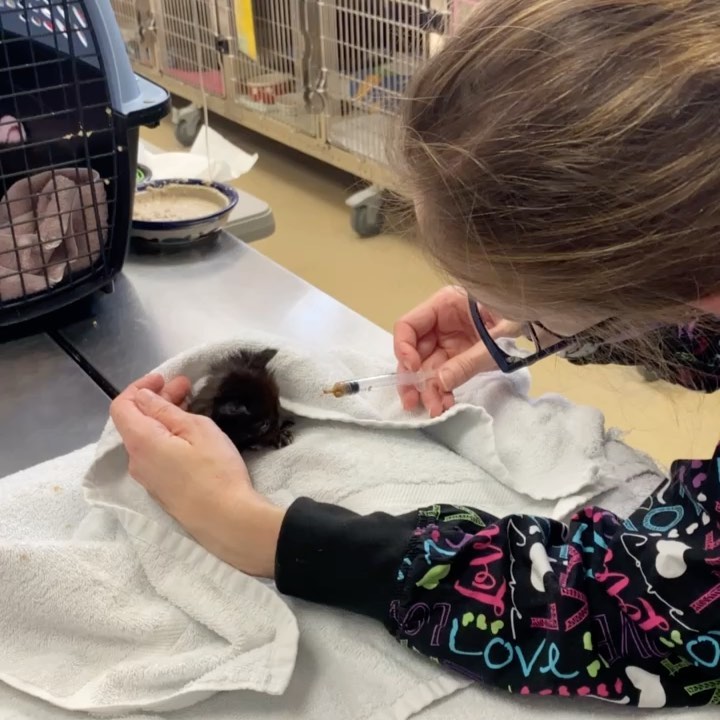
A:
x,y
222,45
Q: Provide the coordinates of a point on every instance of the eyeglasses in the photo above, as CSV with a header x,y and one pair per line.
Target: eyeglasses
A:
x,y
580,344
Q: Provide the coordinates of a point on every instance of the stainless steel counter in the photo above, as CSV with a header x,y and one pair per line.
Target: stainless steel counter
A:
x,y
48,405
165,304
162,305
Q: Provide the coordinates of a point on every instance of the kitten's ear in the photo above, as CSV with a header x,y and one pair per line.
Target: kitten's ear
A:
x,y
263,357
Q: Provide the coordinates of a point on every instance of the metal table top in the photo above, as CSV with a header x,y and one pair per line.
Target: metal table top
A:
x,y
164,304
49,405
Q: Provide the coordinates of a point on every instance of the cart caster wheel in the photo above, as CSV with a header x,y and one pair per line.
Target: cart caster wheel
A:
x,y
187,130
366,222
366,209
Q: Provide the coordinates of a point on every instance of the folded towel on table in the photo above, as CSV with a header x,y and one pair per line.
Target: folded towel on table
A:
x,y
51,224
131,614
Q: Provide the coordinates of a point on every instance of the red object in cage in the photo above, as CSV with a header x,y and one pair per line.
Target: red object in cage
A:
x,y
265,88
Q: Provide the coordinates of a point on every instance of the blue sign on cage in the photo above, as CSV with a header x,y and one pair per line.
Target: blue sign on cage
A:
x,y
70,111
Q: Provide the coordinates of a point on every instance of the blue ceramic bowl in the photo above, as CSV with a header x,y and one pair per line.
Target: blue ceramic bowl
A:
x,y
163,233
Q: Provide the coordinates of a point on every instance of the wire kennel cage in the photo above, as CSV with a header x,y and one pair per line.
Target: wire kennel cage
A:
x,y
370,50
324,77
70,112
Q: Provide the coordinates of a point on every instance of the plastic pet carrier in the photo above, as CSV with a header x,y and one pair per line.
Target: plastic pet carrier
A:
x,y
70,112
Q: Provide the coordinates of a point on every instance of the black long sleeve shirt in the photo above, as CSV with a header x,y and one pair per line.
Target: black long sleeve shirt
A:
x,y
624,610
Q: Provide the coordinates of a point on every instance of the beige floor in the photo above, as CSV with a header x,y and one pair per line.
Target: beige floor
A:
x,y
314,240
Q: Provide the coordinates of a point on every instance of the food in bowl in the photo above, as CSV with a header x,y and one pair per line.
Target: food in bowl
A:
x,y
180,213
176,202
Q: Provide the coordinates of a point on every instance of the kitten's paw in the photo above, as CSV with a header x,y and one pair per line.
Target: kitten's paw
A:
x,y
285,437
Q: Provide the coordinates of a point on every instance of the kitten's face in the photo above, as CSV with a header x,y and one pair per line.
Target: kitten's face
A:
x,y
243,425
246,410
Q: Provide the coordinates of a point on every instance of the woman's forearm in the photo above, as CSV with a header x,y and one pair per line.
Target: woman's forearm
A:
x,y
331,555
620,609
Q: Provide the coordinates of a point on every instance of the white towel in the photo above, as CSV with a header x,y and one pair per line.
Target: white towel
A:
x,y
94,618
87,604
315,685
470,703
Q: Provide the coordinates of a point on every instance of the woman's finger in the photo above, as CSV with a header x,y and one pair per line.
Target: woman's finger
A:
x,y
153,381
413,326
506,329
448,400
409,395
405,341
464,366
411,354
134,426
432,398
158,408
428,344
176,390
431,393
125,414
422,319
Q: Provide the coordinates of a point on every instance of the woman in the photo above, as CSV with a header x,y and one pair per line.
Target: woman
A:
x,y
564,163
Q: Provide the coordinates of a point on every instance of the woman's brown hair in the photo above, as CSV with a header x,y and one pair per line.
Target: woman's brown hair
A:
x,y
566,153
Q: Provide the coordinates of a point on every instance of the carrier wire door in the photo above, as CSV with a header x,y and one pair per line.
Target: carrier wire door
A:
x,y
70,107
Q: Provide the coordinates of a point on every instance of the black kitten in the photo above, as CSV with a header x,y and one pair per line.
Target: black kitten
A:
x,y
243,400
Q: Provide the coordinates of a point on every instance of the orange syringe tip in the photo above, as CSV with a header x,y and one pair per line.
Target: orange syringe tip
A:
x,y
338,390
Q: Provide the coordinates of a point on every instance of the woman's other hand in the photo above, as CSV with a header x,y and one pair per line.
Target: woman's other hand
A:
x,y
192,469
439,334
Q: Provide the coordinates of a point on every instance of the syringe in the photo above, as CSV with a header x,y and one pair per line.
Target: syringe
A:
x,y
351,387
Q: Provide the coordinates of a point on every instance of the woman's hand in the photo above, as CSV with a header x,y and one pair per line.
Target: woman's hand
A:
x,y
439,334
192,469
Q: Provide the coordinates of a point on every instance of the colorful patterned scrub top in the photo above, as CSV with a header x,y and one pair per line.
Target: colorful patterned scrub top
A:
x,y
625,610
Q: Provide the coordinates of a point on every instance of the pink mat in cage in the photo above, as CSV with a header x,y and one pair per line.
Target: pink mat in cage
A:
x,y
51,224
